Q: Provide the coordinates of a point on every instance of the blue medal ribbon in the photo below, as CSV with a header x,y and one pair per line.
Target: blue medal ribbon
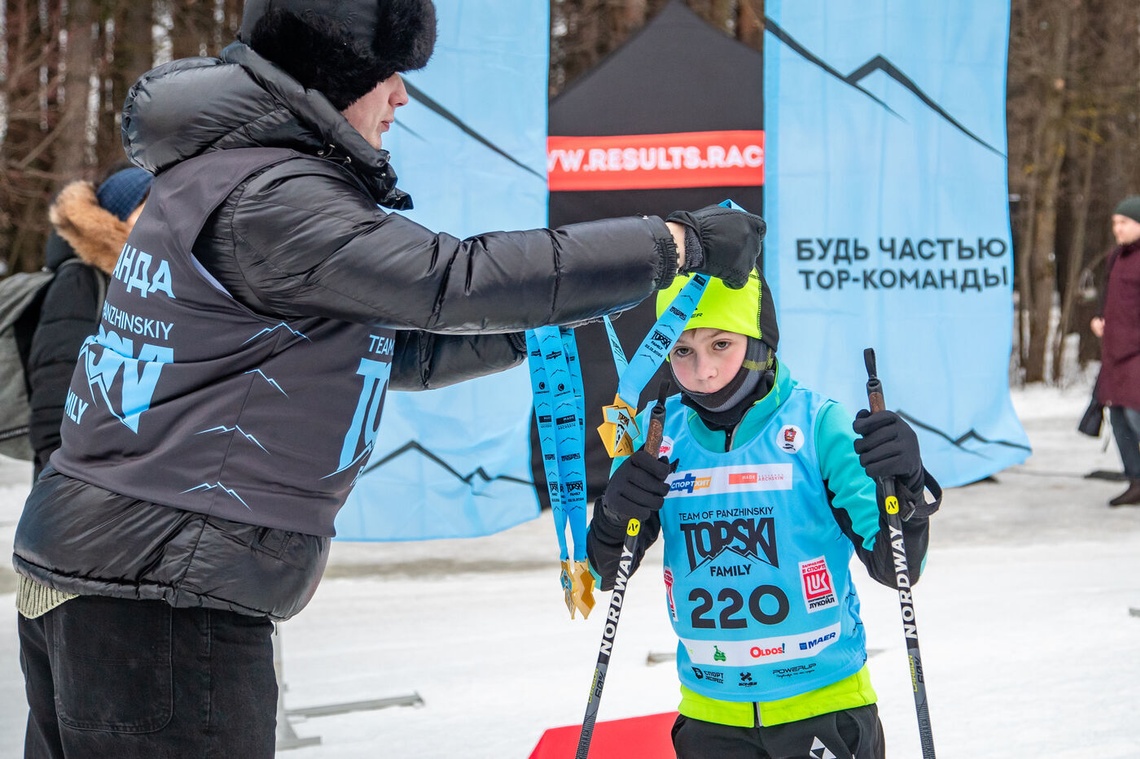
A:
x,y
618,429
559,406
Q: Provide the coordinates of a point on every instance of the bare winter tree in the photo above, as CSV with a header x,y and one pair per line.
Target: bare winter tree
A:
x,y
1073,106
130,53
585,31
1073,119
1048,23
60,76
67,69
31,84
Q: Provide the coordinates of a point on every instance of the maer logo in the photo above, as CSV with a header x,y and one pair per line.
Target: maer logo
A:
x,y
808,645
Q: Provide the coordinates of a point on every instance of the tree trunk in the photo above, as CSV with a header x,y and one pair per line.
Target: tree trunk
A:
x,y
750,24
1076,258
1042,274
25,181
193,31
132,56
74,151
1038,275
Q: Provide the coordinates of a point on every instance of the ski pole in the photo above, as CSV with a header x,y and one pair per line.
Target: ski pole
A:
x,y
902,574
613,614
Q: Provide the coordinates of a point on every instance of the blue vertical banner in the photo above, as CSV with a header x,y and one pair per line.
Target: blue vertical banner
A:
x,y
888,214
470,147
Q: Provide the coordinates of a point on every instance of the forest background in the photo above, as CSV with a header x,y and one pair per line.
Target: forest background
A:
x,y
1073,115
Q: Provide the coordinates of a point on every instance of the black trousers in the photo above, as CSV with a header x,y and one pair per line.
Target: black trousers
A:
x,y
129,679
848,734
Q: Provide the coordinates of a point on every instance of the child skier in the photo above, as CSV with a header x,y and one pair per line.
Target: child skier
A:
x,y
763,492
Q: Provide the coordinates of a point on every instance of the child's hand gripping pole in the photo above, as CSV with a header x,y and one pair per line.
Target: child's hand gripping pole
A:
x,y
890,505
652,445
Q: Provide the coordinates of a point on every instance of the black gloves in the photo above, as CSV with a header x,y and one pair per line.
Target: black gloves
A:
x,y
637,489
721,242
888,448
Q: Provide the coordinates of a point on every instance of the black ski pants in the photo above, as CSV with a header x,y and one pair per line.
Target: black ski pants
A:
x,y
108,677
849,734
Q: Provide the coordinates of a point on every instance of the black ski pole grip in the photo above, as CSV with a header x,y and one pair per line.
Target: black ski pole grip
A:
x,y
876,403
875,400
902,574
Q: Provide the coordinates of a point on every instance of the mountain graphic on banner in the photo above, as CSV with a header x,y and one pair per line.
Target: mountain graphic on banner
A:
x,y
477,479
877,63
413,493
435,107
969,441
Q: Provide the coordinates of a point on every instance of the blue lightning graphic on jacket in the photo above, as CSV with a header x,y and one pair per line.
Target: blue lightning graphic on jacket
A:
x,y
270,380
270,330
222,429
205,486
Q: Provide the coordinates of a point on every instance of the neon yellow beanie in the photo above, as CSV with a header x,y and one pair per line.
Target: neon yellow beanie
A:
x,y
747,311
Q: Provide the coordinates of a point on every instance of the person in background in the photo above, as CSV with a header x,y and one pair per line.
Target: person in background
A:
x,y
1118,326
89,228
266,301
762,495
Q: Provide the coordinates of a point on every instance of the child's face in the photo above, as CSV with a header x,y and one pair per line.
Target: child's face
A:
x,y
704,360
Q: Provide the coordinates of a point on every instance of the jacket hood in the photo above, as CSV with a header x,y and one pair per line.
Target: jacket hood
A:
x,y
193,106
95,234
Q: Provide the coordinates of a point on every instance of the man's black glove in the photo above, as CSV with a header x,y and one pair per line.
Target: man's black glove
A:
x,y
888,447
721,242
637,488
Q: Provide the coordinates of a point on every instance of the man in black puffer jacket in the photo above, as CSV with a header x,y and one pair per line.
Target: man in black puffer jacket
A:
x,y
262,306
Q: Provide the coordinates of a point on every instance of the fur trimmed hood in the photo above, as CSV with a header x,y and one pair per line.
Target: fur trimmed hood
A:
x,y
96,234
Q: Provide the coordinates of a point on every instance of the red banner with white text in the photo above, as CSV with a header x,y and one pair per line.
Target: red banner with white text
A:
x,y
732,158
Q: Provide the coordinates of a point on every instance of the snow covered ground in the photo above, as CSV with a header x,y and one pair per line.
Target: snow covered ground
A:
x,y
1023,615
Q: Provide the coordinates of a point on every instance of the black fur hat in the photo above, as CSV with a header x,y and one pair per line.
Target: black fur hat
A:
x,y
341,48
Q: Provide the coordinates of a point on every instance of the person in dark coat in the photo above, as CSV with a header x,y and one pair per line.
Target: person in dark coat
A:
x,y
265,302
1118,325
90,226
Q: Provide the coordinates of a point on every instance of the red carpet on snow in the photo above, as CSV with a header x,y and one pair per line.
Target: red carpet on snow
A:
x,y
615,739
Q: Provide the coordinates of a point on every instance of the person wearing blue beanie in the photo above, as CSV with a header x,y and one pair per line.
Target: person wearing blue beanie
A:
x,y
123,192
